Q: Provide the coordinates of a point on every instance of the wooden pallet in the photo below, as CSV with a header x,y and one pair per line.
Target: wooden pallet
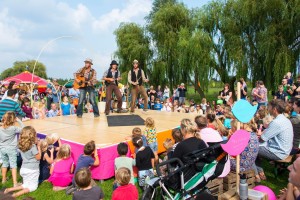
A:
x,y
216,186
229,181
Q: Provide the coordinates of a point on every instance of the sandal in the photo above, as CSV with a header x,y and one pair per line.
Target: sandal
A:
x,y
262,176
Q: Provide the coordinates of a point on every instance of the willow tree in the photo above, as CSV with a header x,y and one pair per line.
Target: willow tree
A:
x,y
268,30
132,44
195,58
212,21
164,26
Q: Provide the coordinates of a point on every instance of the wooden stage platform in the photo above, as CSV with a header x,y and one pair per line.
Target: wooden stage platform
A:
x,y
82,130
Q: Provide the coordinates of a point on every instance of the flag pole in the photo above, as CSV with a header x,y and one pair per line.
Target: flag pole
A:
x,y
238,128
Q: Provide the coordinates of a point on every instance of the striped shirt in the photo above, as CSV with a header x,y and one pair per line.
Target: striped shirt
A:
x,y
9,104
279,136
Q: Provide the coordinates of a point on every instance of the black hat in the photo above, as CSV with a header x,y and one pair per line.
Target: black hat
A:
x,y
113,62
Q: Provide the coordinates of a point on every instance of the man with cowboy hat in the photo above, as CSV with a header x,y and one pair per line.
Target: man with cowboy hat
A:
x,y
90,76
136,77
111,78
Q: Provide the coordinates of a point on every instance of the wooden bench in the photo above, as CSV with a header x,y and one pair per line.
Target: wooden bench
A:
x,y
279,163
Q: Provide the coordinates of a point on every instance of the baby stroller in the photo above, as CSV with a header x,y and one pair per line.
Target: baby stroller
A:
x,y
184,181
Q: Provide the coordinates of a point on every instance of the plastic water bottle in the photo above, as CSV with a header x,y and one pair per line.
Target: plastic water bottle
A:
x,y
243,189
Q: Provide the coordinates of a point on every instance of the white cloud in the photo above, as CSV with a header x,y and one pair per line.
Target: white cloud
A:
x,y
26,28
76,17
9,34
133,9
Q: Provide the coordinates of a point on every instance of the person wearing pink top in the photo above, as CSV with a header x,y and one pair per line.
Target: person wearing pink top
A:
x,y
62,169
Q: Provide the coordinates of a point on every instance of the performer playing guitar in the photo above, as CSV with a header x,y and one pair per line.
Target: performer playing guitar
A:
x,y
85,77
111,77
136,77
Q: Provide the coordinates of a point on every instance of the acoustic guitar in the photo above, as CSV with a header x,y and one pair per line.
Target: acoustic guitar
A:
x,y
81,83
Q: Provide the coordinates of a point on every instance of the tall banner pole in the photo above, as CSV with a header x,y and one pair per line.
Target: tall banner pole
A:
x,y
238,128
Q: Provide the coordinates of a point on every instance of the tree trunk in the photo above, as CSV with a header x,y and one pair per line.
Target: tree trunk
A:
x,y
197,88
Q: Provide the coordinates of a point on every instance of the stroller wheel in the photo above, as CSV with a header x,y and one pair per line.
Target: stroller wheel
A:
x,y
149,193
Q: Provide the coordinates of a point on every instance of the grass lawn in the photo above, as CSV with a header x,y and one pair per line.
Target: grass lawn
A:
x,y
45,190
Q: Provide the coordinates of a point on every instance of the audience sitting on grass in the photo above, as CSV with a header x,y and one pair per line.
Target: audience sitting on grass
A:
x,y
46,160
124,161
8,145
62,169
277,138
87,159
53,141
31,155
87,189
126,189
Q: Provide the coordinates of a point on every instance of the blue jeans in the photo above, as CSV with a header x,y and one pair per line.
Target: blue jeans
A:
x,y
82,97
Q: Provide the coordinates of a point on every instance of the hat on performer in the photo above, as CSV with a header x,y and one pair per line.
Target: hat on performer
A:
x,y
89,61
113,62
135,62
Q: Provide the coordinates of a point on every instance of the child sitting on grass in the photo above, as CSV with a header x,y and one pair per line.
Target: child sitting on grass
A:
x,y
83,179
53,141
85,160
124,161
144,160
62,168
168,145
31,154
151,136
8,144
46,160
126,190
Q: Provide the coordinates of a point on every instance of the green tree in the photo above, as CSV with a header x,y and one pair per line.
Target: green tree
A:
x,y
132,44
21,66
164,26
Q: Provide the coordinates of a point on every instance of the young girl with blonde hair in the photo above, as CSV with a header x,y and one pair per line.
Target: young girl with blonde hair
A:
x,y
31,154
8,144
62,168
151,136
46,160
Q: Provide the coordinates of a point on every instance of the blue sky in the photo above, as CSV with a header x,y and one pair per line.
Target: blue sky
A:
x,y
27,26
